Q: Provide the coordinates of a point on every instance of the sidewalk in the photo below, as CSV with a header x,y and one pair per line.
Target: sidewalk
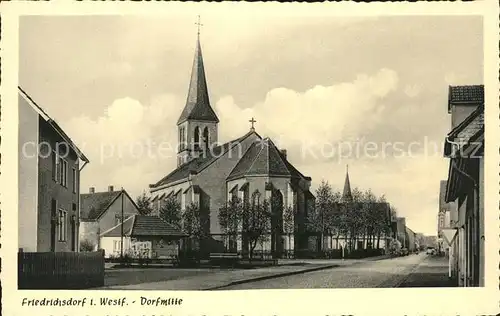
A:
x,y
222,278
432,272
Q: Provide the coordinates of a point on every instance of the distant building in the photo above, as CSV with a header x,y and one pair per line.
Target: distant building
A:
x,y
464,146
401,230
411,243
100,211
49,182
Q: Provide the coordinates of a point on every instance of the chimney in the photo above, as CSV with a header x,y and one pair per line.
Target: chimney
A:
x,y
91,190
283,153
110,188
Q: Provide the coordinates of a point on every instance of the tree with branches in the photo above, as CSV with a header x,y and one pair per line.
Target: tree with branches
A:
x,y
194,223
253,220
289,222
144,204
320,218
170,212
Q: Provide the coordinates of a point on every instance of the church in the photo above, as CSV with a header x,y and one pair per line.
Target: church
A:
x,y
209,173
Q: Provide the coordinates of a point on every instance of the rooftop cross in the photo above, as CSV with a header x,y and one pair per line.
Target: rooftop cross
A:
x,y
252,121
198,23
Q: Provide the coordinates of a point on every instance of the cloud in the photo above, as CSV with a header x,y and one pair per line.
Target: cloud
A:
x,y
129,141
125,140
318,117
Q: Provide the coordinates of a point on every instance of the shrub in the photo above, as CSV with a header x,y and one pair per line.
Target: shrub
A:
x,y
87,245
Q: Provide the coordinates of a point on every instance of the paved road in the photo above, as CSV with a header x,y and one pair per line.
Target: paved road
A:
x,y
432,272
371,274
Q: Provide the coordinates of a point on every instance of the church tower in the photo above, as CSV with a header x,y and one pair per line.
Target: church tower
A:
x,y
197,125
347,195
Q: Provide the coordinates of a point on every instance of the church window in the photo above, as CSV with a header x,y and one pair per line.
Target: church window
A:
x,y
206,137
196,135
256,197
182,138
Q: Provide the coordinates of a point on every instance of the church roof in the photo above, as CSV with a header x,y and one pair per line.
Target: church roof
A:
x,y
347,187
264,158
198,103
198,164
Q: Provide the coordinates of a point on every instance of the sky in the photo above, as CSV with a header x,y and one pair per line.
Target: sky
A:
x,y
368,92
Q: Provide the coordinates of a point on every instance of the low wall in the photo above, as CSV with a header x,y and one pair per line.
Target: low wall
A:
x,y
60,270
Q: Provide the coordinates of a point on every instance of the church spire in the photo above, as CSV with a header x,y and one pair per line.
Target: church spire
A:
x,y
347,196
198,103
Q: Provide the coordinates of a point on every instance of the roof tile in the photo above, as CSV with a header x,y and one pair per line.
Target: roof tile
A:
x,y
93,205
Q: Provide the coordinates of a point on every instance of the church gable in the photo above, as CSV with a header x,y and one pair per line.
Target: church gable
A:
x,y
263,158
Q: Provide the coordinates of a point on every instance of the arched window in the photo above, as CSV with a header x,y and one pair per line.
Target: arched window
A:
x,y
196,135
206,137
256,198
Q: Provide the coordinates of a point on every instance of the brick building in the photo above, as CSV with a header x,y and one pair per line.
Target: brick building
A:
x,y
209,173
49,182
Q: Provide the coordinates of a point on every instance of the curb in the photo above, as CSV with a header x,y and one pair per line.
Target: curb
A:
x,y
272,276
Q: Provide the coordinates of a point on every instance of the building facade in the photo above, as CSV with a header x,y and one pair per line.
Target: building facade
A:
x,y
49,176
464,147
210,174
100,211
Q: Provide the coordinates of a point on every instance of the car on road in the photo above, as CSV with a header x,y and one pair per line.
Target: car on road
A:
x,y
430,251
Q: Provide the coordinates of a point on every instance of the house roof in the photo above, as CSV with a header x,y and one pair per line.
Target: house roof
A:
x,y
200,163
468,130
52,123
442,195
198,103
473,94
263,158
93,205
143,225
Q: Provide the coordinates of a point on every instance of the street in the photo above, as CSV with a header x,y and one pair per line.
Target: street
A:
x,y
410,271
371,274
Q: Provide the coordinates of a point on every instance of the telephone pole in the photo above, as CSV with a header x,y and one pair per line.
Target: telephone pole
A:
x,y
121,241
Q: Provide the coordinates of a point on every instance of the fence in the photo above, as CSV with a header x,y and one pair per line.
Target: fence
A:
x,y
60,270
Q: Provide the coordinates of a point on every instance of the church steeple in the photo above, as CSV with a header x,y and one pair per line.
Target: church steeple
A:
x,y
197,125
347,196
198,103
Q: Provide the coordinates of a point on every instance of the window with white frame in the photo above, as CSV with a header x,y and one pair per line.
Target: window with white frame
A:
x,y
117,245
63,224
